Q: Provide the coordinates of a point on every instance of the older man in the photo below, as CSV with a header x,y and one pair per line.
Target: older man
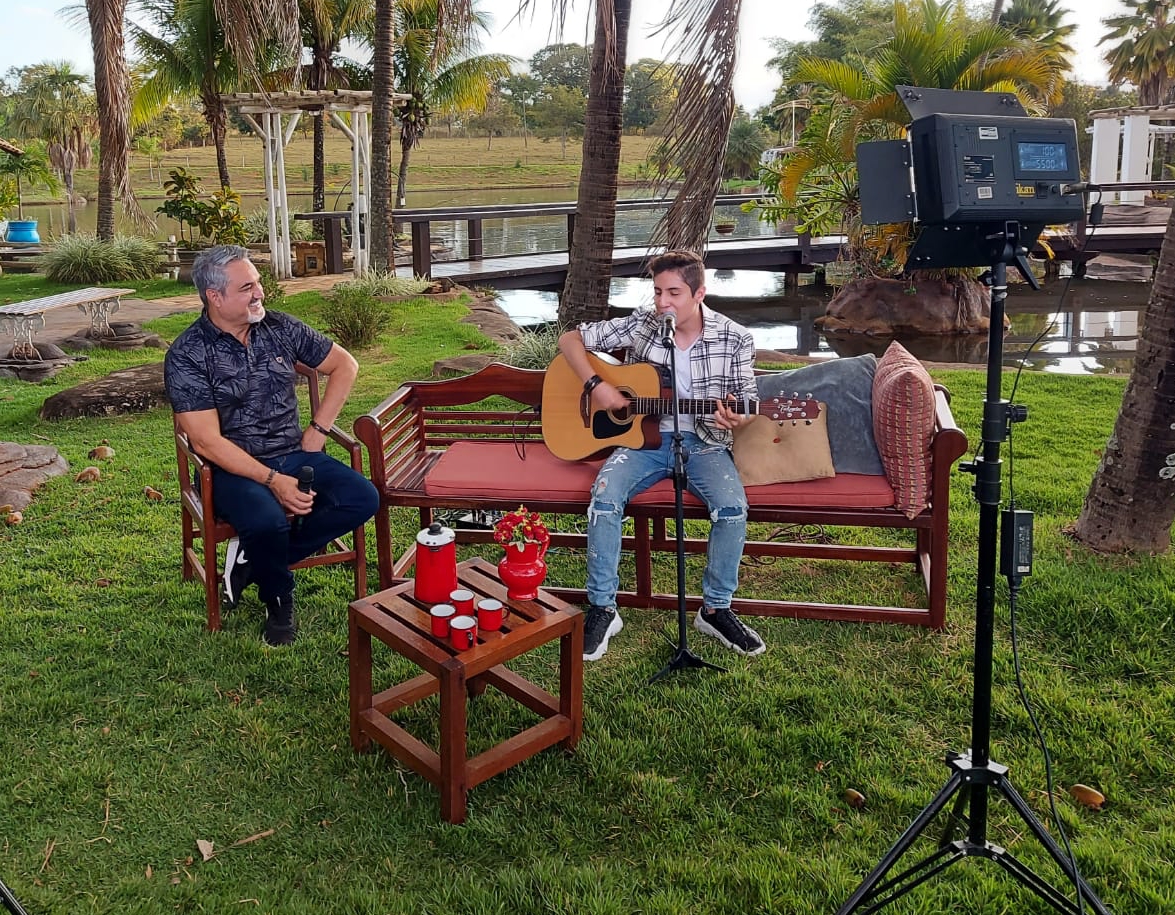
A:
x,y
231,380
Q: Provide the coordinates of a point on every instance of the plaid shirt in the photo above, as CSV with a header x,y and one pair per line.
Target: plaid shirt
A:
x,y
250,387
721,361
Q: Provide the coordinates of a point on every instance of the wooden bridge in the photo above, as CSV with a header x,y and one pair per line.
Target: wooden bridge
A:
x,y
790,254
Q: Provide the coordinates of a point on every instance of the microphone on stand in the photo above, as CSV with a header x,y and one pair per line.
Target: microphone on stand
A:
x,y
305,484
668,326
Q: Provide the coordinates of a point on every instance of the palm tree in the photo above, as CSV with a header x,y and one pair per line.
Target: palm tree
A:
x,y
1041,22
186,54
933,45
22,169
453,21
54,103
589,272
112,92
1143,55
707,33
1136,468
325,24
439,72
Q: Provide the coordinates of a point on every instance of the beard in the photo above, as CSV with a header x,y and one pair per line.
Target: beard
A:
x,y
255,317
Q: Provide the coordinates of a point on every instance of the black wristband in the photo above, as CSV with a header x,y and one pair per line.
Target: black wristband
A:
x,y
269,479
317,428
590,384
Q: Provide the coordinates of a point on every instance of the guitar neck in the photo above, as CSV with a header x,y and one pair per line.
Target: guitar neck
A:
x,y
688,406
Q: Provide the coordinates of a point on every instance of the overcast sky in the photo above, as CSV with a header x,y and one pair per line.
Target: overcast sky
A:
x,y
34,31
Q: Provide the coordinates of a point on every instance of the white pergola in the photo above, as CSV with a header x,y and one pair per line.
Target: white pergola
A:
x,y
1123,145
275,116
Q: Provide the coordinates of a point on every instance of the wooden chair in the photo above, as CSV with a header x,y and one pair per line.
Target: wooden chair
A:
x,y
199,522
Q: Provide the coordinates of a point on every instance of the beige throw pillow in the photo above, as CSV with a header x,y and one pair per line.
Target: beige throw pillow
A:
x,y
769,452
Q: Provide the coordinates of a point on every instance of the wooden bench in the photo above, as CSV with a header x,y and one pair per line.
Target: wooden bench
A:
x,y
21,319
500,460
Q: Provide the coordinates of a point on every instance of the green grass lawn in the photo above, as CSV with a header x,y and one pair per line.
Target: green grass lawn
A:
x,y
128,733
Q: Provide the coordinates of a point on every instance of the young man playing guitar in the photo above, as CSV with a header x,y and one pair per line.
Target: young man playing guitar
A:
x,y
714,360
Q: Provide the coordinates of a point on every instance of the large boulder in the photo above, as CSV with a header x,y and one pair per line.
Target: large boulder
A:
x,y
25,467
134,390
884,307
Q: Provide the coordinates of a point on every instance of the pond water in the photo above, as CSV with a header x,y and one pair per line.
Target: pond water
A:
x,y
1093,331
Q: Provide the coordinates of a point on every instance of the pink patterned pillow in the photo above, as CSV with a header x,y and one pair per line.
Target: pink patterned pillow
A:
x,y
903,425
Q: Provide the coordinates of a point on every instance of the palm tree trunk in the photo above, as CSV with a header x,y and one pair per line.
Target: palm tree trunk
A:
x,y
67,179
380,251
1130,505
111,91
402,174
217,119
589,275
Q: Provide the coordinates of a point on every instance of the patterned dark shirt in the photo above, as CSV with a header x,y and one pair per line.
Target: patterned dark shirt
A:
x,y
721,362
250,387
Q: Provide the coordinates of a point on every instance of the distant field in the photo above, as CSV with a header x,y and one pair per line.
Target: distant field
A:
x,y
439,162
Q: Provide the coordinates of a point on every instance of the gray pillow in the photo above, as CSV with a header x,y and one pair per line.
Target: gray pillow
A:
x,y
846,385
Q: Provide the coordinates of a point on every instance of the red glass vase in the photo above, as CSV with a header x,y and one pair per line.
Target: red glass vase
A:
x,y
522,569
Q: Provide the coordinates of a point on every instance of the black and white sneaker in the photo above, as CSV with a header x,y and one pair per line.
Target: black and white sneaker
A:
x,y
236,572
728,629
599,625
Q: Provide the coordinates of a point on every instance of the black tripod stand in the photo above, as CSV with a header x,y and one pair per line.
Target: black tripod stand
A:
x,y
973,775
9,901
682,656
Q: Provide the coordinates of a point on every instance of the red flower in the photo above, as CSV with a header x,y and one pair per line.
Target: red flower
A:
x,y
521,527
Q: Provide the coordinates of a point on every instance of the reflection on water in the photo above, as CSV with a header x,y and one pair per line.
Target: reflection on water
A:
x,y
1094,331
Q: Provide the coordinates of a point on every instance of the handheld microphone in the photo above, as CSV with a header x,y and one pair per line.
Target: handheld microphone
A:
x,y
305,484
668,327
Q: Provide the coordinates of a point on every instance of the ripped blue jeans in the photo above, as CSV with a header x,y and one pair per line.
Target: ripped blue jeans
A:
x,y
710,475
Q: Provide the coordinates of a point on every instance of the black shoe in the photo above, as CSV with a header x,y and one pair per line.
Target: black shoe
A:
x,y
237,573
721,624
599,625
281,628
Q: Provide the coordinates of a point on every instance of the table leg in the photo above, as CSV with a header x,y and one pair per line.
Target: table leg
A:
x,y
21,327
359,661
100,313
453,749
571,682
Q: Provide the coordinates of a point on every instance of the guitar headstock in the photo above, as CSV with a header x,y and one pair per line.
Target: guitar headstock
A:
x,y
793,409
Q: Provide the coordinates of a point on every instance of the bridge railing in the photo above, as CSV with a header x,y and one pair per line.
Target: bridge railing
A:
x,y
422,219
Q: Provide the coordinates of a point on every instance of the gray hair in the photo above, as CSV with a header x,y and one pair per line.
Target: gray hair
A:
x,y
208,269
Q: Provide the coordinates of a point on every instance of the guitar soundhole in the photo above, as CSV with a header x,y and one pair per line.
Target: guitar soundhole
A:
x,y
609,424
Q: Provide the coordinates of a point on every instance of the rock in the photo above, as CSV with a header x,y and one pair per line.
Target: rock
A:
x,y
880,306
134,390
124,335
23,468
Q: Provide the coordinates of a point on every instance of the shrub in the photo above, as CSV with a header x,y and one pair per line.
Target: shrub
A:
x,y
84,258
354,318
533,349
275,293
374,283
256,226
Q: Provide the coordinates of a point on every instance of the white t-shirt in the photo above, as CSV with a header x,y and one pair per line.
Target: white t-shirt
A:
x,y
684,387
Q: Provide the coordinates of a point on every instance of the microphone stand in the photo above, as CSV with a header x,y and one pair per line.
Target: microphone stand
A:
x,y
682,656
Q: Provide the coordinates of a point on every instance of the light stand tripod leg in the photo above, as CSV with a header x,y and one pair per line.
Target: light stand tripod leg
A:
x,y
974,774
10,902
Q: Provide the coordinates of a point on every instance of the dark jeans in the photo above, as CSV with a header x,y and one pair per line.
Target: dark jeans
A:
x,y
272,542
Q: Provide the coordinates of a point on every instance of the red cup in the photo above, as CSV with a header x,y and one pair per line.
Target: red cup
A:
x,y
463,601
490,613
441,616
463,632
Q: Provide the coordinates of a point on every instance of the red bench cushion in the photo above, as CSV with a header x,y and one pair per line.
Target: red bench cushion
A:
x,y
903,425
493,470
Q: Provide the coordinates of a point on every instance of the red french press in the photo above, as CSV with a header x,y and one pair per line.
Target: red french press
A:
x,y
436,564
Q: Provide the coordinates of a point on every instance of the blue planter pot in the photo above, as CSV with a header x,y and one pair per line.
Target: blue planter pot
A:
x,y
23,230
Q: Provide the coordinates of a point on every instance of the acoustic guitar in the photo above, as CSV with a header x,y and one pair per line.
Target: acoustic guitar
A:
x,y
573,430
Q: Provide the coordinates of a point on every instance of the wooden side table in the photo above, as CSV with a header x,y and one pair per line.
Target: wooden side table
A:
x,y
402,623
